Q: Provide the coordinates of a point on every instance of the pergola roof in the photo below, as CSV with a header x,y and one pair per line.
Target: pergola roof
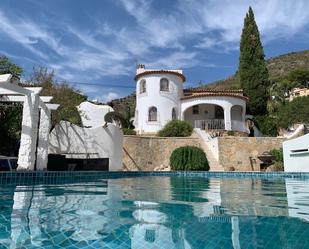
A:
x,y
10,92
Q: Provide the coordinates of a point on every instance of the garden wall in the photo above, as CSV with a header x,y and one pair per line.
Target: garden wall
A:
x,y
236,151
142,153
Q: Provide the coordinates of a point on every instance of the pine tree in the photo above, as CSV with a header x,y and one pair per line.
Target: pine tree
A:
x,y
253,72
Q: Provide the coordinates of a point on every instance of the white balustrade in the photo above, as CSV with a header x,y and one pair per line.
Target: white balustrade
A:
x,y
218,124
210,124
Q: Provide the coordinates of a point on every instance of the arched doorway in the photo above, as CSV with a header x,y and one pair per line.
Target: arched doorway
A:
x,y
237,118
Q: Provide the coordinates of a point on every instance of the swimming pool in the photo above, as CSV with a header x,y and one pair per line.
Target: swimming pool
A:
x,y
150,211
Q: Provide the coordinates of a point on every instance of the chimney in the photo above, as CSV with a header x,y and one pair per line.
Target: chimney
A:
x,y
140,68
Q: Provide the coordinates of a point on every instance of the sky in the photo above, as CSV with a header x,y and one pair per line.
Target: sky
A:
x,y
95,45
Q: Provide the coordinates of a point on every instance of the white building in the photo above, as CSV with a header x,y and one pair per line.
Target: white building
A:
x,y
160,97
296,154
92,115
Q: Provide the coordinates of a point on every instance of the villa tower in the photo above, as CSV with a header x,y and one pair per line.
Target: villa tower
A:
x,y
158,94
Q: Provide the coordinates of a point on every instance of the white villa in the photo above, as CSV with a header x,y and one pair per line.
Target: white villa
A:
x,y
160,97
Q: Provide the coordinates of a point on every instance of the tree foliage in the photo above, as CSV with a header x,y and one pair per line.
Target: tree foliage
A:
x,y
7,66
67,96
253,72
176,128
189,158
299,77
267,124
294,112
10,114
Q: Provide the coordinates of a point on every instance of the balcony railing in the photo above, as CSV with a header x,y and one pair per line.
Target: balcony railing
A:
x,y
210,124
218,124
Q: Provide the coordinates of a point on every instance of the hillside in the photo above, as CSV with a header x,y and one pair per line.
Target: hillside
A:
x,y
278,66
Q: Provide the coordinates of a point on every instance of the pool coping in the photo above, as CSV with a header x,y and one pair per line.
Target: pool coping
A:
x,y
58,177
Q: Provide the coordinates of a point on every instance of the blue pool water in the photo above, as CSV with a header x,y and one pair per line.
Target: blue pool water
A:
x,y
157,212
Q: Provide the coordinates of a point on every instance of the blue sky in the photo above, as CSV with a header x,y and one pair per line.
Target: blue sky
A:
x,y
100,41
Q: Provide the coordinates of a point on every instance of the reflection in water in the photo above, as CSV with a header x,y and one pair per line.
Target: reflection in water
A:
x,y
157,212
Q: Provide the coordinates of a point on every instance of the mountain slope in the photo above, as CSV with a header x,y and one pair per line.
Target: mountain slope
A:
x,y
277,66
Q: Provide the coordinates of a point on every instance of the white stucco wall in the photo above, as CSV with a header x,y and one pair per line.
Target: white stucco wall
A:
x,y
296,160
164,101
92,115
100,142
224,101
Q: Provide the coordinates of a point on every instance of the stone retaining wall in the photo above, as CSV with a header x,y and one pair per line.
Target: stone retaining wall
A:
x,y
141,153
241,153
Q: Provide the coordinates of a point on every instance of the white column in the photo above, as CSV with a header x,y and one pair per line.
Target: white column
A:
x,y
28,140
43,140
245,129
227,118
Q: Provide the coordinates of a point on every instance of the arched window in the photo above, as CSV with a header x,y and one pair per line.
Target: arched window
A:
x,y
152,114
174,114
142,86
164,84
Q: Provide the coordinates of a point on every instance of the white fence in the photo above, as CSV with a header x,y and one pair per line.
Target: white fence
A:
x,y
218,124
209,124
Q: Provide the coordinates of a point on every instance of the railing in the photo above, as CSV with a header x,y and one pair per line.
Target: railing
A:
x,y
210,124
218,124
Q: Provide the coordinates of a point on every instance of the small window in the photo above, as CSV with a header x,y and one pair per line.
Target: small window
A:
x,y
174,115
150,235
152,115
164,84
195,109
142,86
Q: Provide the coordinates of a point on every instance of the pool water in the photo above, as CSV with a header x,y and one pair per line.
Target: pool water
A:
x,y
157,212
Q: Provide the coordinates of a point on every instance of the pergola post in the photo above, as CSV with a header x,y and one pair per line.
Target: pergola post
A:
x,y
28,140
43,139
227,118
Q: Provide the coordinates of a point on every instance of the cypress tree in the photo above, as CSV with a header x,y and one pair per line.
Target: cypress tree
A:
x,y
252,70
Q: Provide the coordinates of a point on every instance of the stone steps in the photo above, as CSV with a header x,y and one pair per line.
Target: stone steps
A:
x,y
213,162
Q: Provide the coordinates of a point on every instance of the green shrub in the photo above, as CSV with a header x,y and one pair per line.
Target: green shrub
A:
x,y
231,133
127,131
278,159
176,128
189,158
267,125
278,154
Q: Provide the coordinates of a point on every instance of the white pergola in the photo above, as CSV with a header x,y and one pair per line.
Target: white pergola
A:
x,y
35,122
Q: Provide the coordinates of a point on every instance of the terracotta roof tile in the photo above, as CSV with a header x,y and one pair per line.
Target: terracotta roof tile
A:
x,y
137,76
218,93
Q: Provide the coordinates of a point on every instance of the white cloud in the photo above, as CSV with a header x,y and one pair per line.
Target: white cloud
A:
x,y
160,38
275,18
105,98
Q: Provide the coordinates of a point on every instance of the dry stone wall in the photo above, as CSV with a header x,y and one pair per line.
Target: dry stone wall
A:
x,y
151,153
241,153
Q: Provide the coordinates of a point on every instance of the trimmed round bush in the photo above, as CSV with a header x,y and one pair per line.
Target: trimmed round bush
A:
x,y
127,131
176,128
189,158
